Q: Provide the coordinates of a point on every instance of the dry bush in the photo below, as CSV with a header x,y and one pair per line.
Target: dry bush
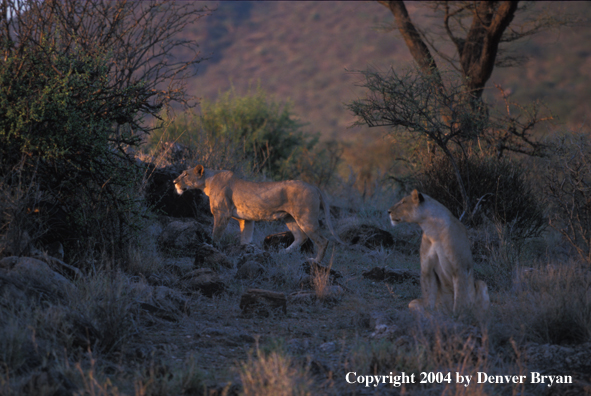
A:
x,y
551,304
568,190
501,186
273,374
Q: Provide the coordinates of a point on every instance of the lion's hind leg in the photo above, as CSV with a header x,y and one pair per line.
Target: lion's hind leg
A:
x,y
246,230
320,242
304,230
298,235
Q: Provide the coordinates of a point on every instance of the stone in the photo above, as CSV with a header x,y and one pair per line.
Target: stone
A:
x,y
311,268
170,300
367,235
35,271
183,237
249,270
205,281
329,294
283,240
263,302
207,256
392,275
163,198
263,258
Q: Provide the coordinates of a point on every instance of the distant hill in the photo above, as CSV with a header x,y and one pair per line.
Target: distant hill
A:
x,y
302,51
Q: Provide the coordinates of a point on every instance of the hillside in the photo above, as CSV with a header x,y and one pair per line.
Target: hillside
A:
x,y
306,52
301,51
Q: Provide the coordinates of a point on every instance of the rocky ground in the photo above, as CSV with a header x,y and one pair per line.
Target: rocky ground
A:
x,y
185,317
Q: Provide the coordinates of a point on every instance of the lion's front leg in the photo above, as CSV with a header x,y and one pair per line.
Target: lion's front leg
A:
x,y
220,222
429,287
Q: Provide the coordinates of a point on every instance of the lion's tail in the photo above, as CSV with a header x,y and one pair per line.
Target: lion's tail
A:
x,y
327,215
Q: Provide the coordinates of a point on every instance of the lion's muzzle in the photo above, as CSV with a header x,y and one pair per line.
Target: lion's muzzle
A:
x,y
179,189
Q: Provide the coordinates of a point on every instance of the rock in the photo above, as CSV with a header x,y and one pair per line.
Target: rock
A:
x,y
249,270
560,359
163,198
383,331
205,281
34,277
298,346
328,347
180,237
302,297
170,300
159,312
263,302
392,275
367,235
328,294
311,268
60,267
283,240
207,256
263,258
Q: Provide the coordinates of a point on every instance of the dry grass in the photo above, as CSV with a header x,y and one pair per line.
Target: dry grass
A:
x,y
273,374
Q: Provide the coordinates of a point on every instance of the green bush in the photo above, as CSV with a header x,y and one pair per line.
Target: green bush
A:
x,y
507,196
63,128
237,129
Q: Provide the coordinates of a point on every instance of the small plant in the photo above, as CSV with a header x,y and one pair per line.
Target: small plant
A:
x,y
273,374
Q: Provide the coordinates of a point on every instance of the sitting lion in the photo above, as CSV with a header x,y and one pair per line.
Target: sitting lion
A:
x,y
296,202
447,275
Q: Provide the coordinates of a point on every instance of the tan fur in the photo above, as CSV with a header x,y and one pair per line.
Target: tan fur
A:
x,y
294,201
447,275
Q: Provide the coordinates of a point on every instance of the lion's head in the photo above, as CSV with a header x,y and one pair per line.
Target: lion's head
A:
x,y
190,179
407,209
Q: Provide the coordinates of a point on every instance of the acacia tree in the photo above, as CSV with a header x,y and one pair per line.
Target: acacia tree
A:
x,y
449,112
480,32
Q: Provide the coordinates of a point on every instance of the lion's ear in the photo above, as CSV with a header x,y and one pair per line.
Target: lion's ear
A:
x,y
417,197
199,169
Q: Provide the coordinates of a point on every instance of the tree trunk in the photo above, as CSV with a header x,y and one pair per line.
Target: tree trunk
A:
x,y
477,51
419,50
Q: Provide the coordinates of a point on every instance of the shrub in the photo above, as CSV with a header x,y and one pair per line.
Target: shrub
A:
x,y
60,130
552,304
568,191
240,129
507,195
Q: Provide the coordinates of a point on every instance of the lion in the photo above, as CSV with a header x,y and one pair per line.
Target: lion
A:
x,y
294,201
447,274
